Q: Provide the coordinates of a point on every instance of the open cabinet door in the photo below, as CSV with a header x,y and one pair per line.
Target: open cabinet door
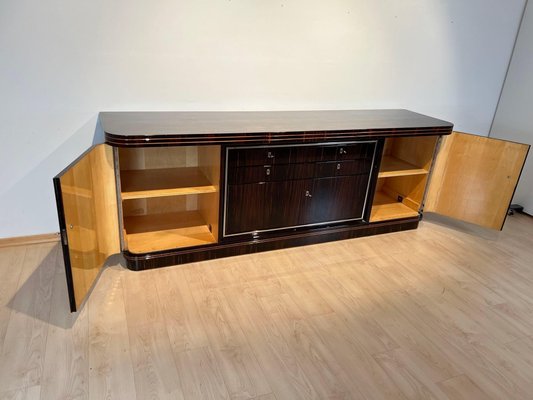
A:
x,y
88,218
474,179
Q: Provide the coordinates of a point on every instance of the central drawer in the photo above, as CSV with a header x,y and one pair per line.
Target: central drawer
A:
x,y
269,173
275,155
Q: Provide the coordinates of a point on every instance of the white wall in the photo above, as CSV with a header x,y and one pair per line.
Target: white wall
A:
x,y
61,62
514,117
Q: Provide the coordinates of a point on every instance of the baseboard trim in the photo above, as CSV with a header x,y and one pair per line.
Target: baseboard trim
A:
x,y
27,240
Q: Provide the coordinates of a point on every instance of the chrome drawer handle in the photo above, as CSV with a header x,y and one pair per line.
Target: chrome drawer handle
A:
x,y
342,151
270,155
307,194
268,171
338,167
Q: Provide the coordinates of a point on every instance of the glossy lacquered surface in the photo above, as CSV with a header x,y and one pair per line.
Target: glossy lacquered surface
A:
x,y
330,185
141,129
287,177
88,219
272,241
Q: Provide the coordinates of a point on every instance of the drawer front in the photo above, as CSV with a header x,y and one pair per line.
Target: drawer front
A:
x,y
298,154
336,199
268,173
258,156
324,169
355,151
240,175
293,172
340,168
354,167
352,151
302,154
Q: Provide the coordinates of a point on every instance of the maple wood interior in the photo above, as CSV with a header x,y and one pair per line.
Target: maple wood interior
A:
x,y
402,177
170,196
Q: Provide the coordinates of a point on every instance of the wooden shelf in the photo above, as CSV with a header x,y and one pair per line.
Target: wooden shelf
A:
x,y
386,208
138,184
154,232
392,166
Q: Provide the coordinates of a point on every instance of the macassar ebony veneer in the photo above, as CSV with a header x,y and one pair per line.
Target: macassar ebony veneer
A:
x,y
176,187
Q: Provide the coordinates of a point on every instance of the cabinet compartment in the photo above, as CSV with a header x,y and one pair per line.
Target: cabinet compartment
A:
x,y
304,192
170,197
266,205
398,197
402,177
336,199
139,184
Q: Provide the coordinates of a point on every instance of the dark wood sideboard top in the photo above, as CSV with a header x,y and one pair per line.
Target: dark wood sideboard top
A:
x,y
135,129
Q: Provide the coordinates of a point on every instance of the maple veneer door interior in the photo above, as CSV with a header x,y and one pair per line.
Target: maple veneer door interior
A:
x,y
88,218
474,178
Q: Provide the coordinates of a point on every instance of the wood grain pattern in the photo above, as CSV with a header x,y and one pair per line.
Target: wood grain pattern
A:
x,y
208,204
157,157
24,344
156,375
28,393
433,313
11,260
66,361
183,322
138,184
200,375
417,151
88,215
148,233
132,129
385,208
264,242
392,166
281,369
403,175
111,371
241,372
462,388
474,179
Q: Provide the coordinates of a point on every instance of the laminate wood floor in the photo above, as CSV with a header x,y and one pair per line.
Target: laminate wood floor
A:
x,y
436,313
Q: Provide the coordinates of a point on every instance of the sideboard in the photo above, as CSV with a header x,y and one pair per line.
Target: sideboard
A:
x,y
176,187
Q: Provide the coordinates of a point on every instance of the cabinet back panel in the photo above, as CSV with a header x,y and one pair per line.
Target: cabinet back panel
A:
x,y
158,205
158,157
410,187
209,163
415,150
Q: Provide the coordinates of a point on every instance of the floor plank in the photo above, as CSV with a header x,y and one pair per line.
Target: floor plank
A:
x,y
29,393
182,320
200,375
25,339
11,260
111,373
66,362
462,388
242,374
